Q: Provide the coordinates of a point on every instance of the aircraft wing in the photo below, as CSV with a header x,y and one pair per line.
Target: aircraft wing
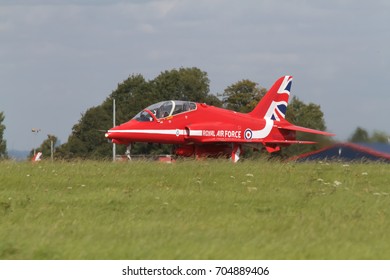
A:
x,y
261,141
304,129
288,142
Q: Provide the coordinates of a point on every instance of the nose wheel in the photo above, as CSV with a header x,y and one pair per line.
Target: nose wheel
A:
x,y
127,153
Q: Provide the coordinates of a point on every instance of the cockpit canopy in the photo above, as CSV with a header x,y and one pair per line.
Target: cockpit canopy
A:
x,y
164,109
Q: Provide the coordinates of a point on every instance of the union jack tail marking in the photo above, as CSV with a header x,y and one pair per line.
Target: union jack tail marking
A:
x,y
274,104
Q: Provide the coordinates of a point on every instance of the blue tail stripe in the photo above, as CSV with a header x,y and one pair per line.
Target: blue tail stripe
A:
x,y
283,108
288,87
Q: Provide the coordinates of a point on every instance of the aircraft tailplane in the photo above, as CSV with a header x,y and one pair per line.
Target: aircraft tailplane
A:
x,y
274,103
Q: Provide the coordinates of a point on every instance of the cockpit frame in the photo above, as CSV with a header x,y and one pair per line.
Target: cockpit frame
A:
x,y
164,109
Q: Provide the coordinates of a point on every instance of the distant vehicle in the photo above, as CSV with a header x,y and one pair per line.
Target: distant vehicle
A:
x,y
200,130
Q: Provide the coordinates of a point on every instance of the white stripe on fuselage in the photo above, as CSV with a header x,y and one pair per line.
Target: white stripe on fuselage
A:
x,y
262,133
196,132
257,134
150,131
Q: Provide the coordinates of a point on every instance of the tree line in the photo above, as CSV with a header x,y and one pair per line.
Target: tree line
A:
x,y
192,84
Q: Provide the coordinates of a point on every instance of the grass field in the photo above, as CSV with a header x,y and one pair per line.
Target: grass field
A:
x,y
194,210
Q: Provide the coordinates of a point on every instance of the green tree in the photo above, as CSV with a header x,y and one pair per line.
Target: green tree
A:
x,y
46,147
360,135
131,96
379,137
87,138
307,115
3,142
213,100
190,84
310,116
243,96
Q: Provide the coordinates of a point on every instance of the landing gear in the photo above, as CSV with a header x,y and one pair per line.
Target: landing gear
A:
x,y
236,152
127,153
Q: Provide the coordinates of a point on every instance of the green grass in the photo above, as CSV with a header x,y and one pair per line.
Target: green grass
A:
x,y
194,210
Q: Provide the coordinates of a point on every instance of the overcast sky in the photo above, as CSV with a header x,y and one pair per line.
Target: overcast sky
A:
x,y
60,57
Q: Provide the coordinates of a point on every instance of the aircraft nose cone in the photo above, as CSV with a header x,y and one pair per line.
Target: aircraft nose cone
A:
x,y
109,135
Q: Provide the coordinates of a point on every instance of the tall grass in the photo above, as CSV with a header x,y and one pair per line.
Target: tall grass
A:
x,y
194,210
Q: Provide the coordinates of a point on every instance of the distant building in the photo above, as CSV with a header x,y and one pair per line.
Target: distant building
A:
x,y
350,152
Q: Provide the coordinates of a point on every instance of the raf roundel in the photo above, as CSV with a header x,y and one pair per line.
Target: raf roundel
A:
x,y
248,134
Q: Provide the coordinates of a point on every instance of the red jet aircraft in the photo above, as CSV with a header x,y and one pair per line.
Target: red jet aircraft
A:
x,y
200,130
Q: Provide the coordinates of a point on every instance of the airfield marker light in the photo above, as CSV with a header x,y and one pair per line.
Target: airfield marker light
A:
x,y
36,131
114,124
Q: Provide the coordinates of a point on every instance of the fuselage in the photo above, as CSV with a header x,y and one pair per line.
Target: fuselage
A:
x,y
201,124
202,130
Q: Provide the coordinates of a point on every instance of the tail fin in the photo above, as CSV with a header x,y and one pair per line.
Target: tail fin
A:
x,y
274,103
